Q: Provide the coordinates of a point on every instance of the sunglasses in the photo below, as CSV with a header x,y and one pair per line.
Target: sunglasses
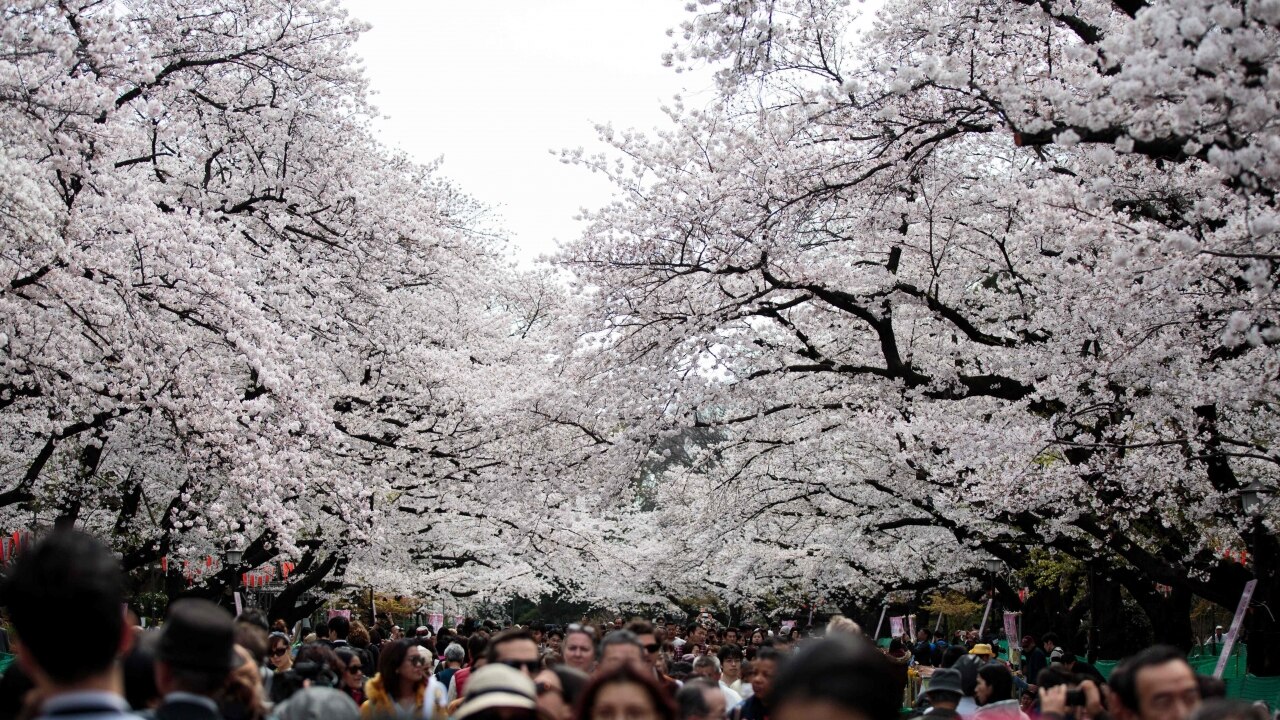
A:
x,y
277,652
653,647
575,627
417,660
355,669
530,665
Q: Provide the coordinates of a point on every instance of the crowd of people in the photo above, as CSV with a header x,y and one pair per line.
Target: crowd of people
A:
x,y
203,664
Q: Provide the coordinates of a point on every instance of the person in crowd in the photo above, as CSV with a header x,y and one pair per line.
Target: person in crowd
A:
x,y
982,651
624,692
1027,703
837,678
730,636
498,690
1033,658
899,659
1215,641
1224,709
454,656
695,639
360,639
621,647
652,656
922,650
352,679
943,695
399,690
580,648
1155,684
757,638
1070,663
339,629
967,664
680,671
72,666
242,697
559,688
700,699
555,641
708,667
280,654
1050,643
731,668
139,674
516,649
195,656
317,702
840,624
759,705
477,652
994,694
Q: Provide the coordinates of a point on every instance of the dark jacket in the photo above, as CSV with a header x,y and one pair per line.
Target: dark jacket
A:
x,y
750,709
186,710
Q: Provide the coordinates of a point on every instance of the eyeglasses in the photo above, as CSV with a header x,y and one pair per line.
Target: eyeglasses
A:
x,y
653,647
278,651
355,669
417,660
530,665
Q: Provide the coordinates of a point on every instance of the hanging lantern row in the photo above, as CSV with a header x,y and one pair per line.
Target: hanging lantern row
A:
x,y
256,578
12,545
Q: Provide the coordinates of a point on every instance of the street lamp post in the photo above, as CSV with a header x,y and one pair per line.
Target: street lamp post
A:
x,y
1263,660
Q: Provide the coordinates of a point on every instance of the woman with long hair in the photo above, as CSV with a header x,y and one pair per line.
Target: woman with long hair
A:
x,y
352,679
400,687
624,692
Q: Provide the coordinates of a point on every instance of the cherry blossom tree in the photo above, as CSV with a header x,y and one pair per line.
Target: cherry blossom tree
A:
x,y
1000,269
230,319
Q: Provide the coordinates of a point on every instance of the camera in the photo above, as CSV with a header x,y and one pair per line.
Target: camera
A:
x,y
1076,698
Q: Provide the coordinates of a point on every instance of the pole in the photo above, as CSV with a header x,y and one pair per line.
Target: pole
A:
x,y
880,624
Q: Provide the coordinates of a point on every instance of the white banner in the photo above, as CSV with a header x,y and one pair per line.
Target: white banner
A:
x,y
983,627
1236,622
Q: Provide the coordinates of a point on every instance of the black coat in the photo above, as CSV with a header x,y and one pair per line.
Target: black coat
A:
x,y
184,710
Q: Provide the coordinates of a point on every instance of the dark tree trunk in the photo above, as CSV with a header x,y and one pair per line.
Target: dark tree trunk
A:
x,y
1261,631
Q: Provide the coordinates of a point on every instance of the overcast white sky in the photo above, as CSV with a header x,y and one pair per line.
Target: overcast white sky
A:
x,y
494,86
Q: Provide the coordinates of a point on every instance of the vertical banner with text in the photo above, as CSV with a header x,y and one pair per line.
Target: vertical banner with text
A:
x,y
1236,622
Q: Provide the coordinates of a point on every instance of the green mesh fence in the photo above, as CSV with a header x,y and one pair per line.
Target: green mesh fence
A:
x,y
6,659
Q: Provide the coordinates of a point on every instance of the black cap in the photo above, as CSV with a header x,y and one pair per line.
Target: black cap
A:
x,y
198,635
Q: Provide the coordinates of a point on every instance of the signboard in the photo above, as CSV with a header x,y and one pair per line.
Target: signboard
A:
x,y
239,605
436,621
911,625
1236,622
339,613
895,626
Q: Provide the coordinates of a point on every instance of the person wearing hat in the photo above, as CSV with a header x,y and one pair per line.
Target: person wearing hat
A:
x,y
74,667
499,687
196,652
982,650
1033,659
943,693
